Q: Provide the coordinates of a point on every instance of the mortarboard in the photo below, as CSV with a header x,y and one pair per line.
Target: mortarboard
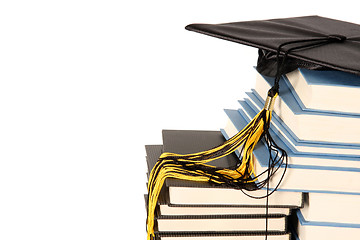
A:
x,y
310,42
332,43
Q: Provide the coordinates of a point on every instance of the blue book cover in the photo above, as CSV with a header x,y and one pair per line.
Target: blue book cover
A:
x,y
330,176
319,125
240,120
322,230
303,222
255,97
326,90
289,138
290,97
330,78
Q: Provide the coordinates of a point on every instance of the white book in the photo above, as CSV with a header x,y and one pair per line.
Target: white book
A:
x,y
301,177
228,196
330,207
167,209
326,90
182,193
222,223
217,236
312,230
301,145
310,125
294,157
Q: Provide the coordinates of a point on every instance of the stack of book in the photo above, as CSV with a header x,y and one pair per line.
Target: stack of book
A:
x,y
316,121
202,211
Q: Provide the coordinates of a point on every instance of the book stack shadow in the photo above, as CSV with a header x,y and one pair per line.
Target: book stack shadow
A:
x,y
316,121
203,211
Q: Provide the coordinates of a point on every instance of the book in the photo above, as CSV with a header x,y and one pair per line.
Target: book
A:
x,y
222,236
300,157
312,230
334,208
200,193
301,145
167,208
314,125
327,90
307,178
221,223
170,209
231,222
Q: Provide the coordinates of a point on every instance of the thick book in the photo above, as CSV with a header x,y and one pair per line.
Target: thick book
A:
x,y
334,208
222,236
327,90
221,223
309,124
236,221
295,156
313,230
203,193
305,178
301,145
165,207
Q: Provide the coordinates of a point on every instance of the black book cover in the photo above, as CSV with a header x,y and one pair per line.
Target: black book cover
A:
x,y
191,141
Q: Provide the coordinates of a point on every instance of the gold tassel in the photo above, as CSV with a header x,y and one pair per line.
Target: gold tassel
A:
x,y
194,167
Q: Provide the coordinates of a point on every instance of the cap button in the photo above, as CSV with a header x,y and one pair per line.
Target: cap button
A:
x,y
337,37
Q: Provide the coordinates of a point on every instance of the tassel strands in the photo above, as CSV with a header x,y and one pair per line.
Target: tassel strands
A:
x,y
194,167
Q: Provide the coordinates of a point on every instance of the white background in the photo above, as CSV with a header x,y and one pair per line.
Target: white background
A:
x,y
86,84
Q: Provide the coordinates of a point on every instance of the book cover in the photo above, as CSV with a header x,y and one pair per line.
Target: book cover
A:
x,y
303,145
186,192
222,236
330,207
318,158
221,223
302,177
314,125
325,230
327,90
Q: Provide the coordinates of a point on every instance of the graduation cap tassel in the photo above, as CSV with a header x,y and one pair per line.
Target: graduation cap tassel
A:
x,y
194,167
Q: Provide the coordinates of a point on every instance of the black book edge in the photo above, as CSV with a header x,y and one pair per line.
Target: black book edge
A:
x,y
225,216
159,235
224,233
154,151
249,217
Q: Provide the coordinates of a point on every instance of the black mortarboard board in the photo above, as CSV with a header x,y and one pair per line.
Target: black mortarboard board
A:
x,y
341,54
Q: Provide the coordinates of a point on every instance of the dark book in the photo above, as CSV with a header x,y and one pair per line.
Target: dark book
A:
x,y
165,207
222,236
181,192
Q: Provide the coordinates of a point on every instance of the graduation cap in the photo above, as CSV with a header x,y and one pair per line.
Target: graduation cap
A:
x,y
310,42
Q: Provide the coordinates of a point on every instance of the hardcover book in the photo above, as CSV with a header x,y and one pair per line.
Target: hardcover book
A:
x,y
307,178
314,125
182,192
301,157
312,230
165,207
302,145
327,90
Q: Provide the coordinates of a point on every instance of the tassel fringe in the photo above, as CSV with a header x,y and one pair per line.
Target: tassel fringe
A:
x,y
194,167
